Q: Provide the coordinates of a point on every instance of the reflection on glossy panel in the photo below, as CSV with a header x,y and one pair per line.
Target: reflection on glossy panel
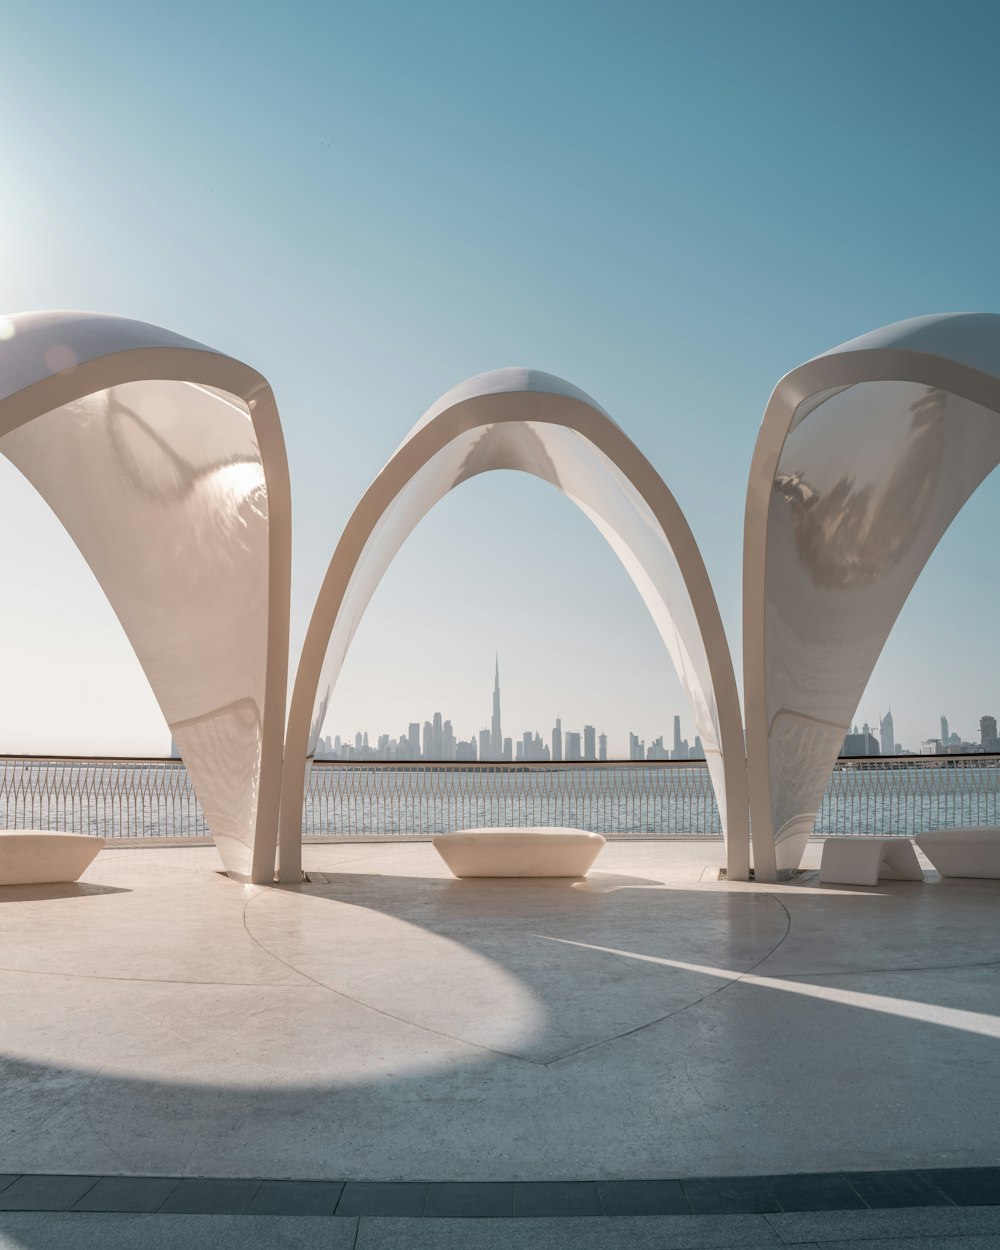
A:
x,y
162,485
865,457
537,424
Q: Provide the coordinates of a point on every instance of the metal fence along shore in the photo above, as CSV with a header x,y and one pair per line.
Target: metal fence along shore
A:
x,y
153,798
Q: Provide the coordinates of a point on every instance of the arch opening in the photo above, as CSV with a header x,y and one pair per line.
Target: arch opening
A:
x,y
536,424
505,567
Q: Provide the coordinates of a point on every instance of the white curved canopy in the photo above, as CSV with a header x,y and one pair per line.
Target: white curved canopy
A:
x,y
865,456
165,462
536,423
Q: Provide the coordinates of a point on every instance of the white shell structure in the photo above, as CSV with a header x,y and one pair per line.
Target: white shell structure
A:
x,y
865,456
536,423
165,462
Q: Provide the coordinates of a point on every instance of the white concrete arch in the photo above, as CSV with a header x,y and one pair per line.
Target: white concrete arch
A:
x,y
165,462
865,456
536,423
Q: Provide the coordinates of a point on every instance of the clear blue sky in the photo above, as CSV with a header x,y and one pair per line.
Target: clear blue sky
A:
x,y
670,204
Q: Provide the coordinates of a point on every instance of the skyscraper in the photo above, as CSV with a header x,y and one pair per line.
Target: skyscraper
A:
x,y
887,734
988,732
589,742
681,750
557,740
572,746
496,733
860,743
657,751
945,736
602,747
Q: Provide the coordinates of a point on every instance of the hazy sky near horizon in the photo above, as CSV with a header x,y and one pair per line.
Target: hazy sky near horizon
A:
x,y
669,204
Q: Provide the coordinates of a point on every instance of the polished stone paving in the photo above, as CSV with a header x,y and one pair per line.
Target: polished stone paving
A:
x,y
384,1023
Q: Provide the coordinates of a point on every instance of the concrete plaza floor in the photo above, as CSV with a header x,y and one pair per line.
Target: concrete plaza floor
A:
x,y
386,1022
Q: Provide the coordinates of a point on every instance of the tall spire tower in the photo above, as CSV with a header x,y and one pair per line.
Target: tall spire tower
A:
x,y
496,733
887,734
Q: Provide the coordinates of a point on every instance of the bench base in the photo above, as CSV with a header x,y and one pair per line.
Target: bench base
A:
x,y
40,857
969,852
866,861
534,852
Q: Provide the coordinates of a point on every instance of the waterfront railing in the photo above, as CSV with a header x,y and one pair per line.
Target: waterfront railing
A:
x,y
153,798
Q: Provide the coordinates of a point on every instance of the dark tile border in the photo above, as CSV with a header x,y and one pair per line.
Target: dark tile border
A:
x,y
471,1199
643,1198
541,1198
383,1198
721,1195
206,1195
296,1198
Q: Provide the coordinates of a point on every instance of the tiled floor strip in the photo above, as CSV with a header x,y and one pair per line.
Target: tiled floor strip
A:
x,y
813,1192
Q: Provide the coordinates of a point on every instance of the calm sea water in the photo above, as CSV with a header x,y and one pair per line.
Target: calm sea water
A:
x,y
156,799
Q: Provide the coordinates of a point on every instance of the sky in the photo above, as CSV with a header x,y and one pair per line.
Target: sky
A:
x,y
669,204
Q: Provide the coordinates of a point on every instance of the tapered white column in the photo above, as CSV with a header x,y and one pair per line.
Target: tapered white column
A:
x,y
865,456
165,462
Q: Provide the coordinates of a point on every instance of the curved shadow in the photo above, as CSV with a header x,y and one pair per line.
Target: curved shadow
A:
x,y
349,1094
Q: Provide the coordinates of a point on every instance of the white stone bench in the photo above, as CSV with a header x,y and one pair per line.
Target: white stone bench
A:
x,y
40,857
534,852
970,852
867,860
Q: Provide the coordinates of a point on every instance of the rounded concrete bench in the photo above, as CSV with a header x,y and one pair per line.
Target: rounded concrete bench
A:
x,y
971,852
535,852
41,857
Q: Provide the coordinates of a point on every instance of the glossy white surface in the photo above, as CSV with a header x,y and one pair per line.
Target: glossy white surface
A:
x,y
528,852
41,857
969,852
866,861
535,423
165,463
864,458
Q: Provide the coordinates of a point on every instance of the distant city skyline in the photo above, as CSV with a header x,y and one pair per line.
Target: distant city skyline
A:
x,y
437,740
862,742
